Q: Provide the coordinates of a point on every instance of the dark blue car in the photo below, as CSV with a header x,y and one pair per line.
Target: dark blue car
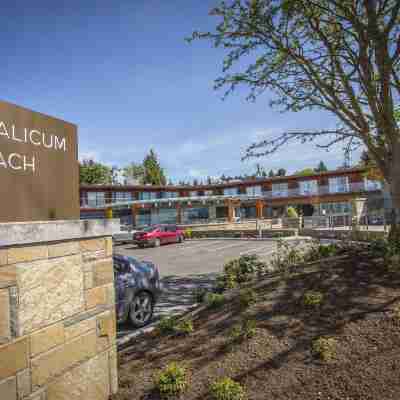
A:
x,y
137,289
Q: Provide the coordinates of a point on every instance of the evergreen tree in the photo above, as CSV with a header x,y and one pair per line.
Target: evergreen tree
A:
x,y
321,167
281,172
271,173
153,173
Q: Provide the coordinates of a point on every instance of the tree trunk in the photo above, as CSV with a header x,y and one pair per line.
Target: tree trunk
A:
x,y
395,194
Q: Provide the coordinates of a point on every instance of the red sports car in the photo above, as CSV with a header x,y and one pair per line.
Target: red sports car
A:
x,y
157,235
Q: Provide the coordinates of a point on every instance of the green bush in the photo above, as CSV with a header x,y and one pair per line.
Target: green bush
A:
x,y
227,389
313,299
185,327
167,325
324,348
389,250
246,329
239,271
214,300
172,380
199,294
291,213
188,232
247,297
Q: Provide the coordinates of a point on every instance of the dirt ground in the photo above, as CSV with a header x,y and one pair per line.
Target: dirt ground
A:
x,y
360,297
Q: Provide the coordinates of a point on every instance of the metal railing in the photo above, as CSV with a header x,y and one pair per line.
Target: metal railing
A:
x,y
359,187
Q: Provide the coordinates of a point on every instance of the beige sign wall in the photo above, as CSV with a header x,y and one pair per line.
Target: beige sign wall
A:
x,y
39,173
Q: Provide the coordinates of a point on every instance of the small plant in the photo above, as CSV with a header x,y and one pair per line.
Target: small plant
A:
x,y
247,297
243,330
214,300
397,313
199,294
324,348
185,327
167,325
291,213
227,389
172,381
188,233
239,271
313,299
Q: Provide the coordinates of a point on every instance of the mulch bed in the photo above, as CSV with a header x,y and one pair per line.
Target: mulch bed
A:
x,y
360,296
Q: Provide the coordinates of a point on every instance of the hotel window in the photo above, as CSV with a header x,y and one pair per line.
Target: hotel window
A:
x,y
121,196
147,195
280,189
253,191
193,193
335,208
231,191
372,185
308,187
339,184
169,195
96,199
208,193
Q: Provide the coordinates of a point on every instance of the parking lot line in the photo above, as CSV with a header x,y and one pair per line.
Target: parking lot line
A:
x,y
238,243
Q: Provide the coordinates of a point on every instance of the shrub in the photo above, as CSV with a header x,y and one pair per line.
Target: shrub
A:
x,y
227,389
247,297
313,299
291,212
185,327
286,257
239,271
397,313
243,330
188,233
167,325
214,300
199,294
325,348
172,380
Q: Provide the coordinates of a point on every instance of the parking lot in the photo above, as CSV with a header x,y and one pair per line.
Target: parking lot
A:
x,y
189,265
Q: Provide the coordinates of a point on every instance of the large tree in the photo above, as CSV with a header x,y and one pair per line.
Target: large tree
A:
x,y
341,56
94,173
153,173
134,172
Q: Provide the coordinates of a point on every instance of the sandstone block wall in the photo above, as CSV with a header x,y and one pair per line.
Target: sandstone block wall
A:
x,y
57,321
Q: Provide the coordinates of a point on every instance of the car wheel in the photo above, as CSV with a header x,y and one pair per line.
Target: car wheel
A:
x,y
141,246
157,243
141,309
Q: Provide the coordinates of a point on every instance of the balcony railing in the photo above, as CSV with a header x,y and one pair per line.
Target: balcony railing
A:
x,y
321,190
359,187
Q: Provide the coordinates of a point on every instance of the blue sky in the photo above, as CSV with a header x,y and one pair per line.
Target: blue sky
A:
x,y
123,73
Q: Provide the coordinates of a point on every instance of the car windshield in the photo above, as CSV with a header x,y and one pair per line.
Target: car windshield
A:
x,y
133,261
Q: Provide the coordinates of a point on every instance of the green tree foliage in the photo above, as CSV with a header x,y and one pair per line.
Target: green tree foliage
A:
x,y
271,174
321,167
305,172
153,173
281,172
134,171
342,57
94,173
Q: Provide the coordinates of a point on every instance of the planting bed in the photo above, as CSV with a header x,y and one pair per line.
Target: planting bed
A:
x,y
357,310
